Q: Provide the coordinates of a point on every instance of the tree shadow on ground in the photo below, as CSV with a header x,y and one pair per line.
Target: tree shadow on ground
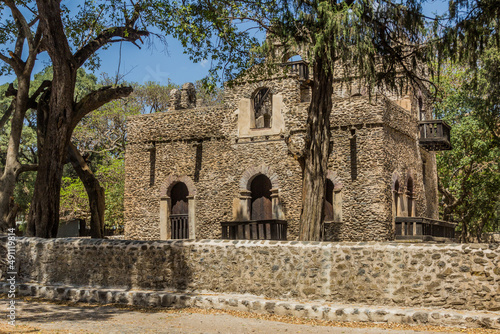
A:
x,y
45,313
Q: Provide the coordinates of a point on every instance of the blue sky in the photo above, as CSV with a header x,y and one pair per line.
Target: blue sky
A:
x,y
157,63
160,63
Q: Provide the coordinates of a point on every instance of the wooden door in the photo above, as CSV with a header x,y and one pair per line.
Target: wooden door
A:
x,y
261,198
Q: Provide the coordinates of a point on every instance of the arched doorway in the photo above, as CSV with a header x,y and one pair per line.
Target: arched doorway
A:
x,y
179,211
261,204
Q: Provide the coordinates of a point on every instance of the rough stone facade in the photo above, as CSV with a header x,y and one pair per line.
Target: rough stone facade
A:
x,y
464,277
375,146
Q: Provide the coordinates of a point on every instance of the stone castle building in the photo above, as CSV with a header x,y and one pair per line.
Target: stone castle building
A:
x,y
231,171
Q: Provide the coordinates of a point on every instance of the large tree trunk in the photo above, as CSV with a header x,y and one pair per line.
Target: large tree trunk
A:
x,y
60,114
43,219
317,150
12,165
11,218
94,191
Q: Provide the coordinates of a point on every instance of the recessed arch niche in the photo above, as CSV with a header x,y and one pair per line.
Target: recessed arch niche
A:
x,y
259,195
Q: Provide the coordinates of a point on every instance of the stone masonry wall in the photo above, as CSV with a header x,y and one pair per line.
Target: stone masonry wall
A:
x,y
446,276
364,210
203,145
216,182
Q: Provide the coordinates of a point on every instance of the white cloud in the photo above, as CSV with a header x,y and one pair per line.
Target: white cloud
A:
x,y
203,63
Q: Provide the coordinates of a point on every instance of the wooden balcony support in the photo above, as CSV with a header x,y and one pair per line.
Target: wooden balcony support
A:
x,y
272,229
434,135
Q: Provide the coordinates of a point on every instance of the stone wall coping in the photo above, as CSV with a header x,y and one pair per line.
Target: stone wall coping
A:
x,y
267,243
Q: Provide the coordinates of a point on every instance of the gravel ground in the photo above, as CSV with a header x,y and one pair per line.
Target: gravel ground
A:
x,y
34,316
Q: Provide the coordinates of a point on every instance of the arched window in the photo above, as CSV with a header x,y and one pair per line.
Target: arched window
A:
x,y
409,196
263,108
179,211
261,204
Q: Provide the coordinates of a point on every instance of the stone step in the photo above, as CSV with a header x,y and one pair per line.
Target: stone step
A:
x,y
255,304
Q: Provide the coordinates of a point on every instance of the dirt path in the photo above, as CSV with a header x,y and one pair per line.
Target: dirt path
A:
x,y
33,316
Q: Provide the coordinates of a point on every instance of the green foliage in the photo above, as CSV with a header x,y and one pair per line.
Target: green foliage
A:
x,y
467,30
112,178
100,138
378,41
470,173
74,199
152,97
208,95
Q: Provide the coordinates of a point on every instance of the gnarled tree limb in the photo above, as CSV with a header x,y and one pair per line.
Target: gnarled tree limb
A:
x,y
7,114
126,33
96,99
94,190
20,17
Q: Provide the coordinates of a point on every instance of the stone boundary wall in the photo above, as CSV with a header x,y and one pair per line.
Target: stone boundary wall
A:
x,y
448,276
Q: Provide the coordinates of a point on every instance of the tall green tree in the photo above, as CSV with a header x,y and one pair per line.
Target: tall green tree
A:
x,y
468,58
469,175
71,39
23,36
377,41
100,138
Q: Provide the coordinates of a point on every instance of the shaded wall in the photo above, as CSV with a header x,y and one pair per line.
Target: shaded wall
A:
x,y
447,276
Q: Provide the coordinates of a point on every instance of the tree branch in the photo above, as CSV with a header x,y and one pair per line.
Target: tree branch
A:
x,y
126,33
8,61
96,99
27,168
32,100
19,16
7,114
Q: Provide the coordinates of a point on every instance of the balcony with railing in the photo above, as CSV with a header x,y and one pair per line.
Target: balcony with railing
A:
x,y
422,228
299,68
179,226
271,229
434,135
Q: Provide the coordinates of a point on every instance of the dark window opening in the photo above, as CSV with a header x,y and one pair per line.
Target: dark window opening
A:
x,y
198,161
305,93
178,197
328,207
263,108
152,164
423,171
261,205
396,198
354,156
409,193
